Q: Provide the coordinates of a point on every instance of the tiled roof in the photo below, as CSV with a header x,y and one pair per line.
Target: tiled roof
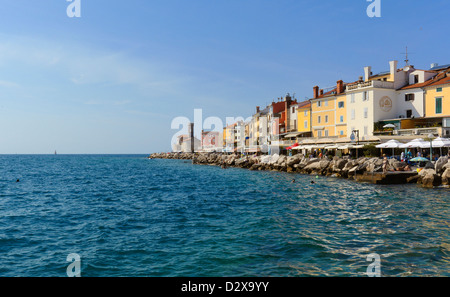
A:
x,y
440,67
441,78
304,104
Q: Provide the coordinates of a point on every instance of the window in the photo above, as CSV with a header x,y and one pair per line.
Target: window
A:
x,y
352,98
341,119
326,133
306,113
416,78
366,112
439,105
319,119
293,109
366,130
409,97
341,104
353,114
295,124
326,119
439,90
365,96
325,103
306,124
319,133
408,113
319,103
341,132
446,122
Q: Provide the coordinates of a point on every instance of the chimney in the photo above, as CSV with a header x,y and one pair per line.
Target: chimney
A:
x,y
288,98
257,109
321,92
316,92
367,72
340,87
393,69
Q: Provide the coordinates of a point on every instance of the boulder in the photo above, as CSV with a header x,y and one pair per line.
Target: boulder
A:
x,y
340,164
398,166
291,161
446,177
431,180
439,166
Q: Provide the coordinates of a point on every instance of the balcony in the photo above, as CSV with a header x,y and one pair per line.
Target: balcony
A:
x,y
370,84
420,131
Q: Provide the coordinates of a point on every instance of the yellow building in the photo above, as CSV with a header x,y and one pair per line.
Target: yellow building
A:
x,y
327,111
341,115
304,117
437,97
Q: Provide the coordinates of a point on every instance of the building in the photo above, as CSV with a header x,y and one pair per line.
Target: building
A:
x,y
374,98
211,141
328,112
304,119
420,105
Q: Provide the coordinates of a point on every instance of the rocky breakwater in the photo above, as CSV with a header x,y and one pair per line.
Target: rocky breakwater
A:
x,y
431,176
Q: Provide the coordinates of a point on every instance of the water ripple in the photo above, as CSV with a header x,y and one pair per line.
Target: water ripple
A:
x,y
129,216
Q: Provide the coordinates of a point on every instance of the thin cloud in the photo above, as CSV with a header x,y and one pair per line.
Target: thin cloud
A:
x,y
8,84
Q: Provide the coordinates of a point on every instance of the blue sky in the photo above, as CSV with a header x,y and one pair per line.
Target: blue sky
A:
x,y
113,80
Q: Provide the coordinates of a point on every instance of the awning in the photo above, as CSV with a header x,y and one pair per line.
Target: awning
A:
x,y
291,135
292,146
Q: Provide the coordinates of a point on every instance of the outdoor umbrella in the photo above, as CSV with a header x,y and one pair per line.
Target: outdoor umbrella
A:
x,y
292,146
418,142
393,144
389,126
438,143
419,159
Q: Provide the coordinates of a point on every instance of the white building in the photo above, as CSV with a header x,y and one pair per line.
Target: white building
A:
x,y
375,98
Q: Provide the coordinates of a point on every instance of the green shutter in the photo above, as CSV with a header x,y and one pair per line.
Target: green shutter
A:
x,y
438,105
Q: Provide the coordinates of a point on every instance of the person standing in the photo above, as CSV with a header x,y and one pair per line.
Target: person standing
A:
x,y
385,163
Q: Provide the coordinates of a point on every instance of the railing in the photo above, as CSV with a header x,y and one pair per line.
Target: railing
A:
x,y
419,131
371,83
390,132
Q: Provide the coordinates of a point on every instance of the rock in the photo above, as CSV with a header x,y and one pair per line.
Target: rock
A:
x,y
431,180
439,166
353,170
447,166
446,177
340,164
370,167
424,172
413,179
324,164
315,166
255,167
399,165
429,165
291,161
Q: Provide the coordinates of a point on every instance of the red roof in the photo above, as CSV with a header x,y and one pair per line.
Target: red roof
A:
x,y
440,79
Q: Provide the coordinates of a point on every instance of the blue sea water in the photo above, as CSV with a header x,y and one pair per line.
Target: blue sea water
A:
x,y
126,215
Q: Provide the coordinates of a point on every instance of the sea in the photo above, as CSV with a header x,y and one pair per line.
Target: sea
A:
x,y
129,216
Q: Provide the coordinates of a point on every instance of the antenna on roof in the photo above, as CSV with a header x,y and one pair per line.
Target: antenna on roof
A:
x,y
406,57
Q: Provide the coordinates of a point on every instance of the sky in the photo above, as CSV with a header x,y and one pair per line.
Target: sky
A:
x,y
113,80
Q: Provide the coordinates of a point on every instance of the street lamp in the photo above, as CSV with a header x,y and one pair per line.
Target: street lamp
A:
x,y
352,138
430,137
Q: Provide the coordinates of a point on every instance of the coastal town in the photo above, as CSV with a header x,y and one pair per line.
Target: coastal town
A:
x,y
391,127
401,104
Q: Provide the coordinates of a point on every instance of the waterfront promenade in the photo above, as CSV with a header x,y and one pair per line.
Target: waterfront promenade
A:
x,y
363,169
